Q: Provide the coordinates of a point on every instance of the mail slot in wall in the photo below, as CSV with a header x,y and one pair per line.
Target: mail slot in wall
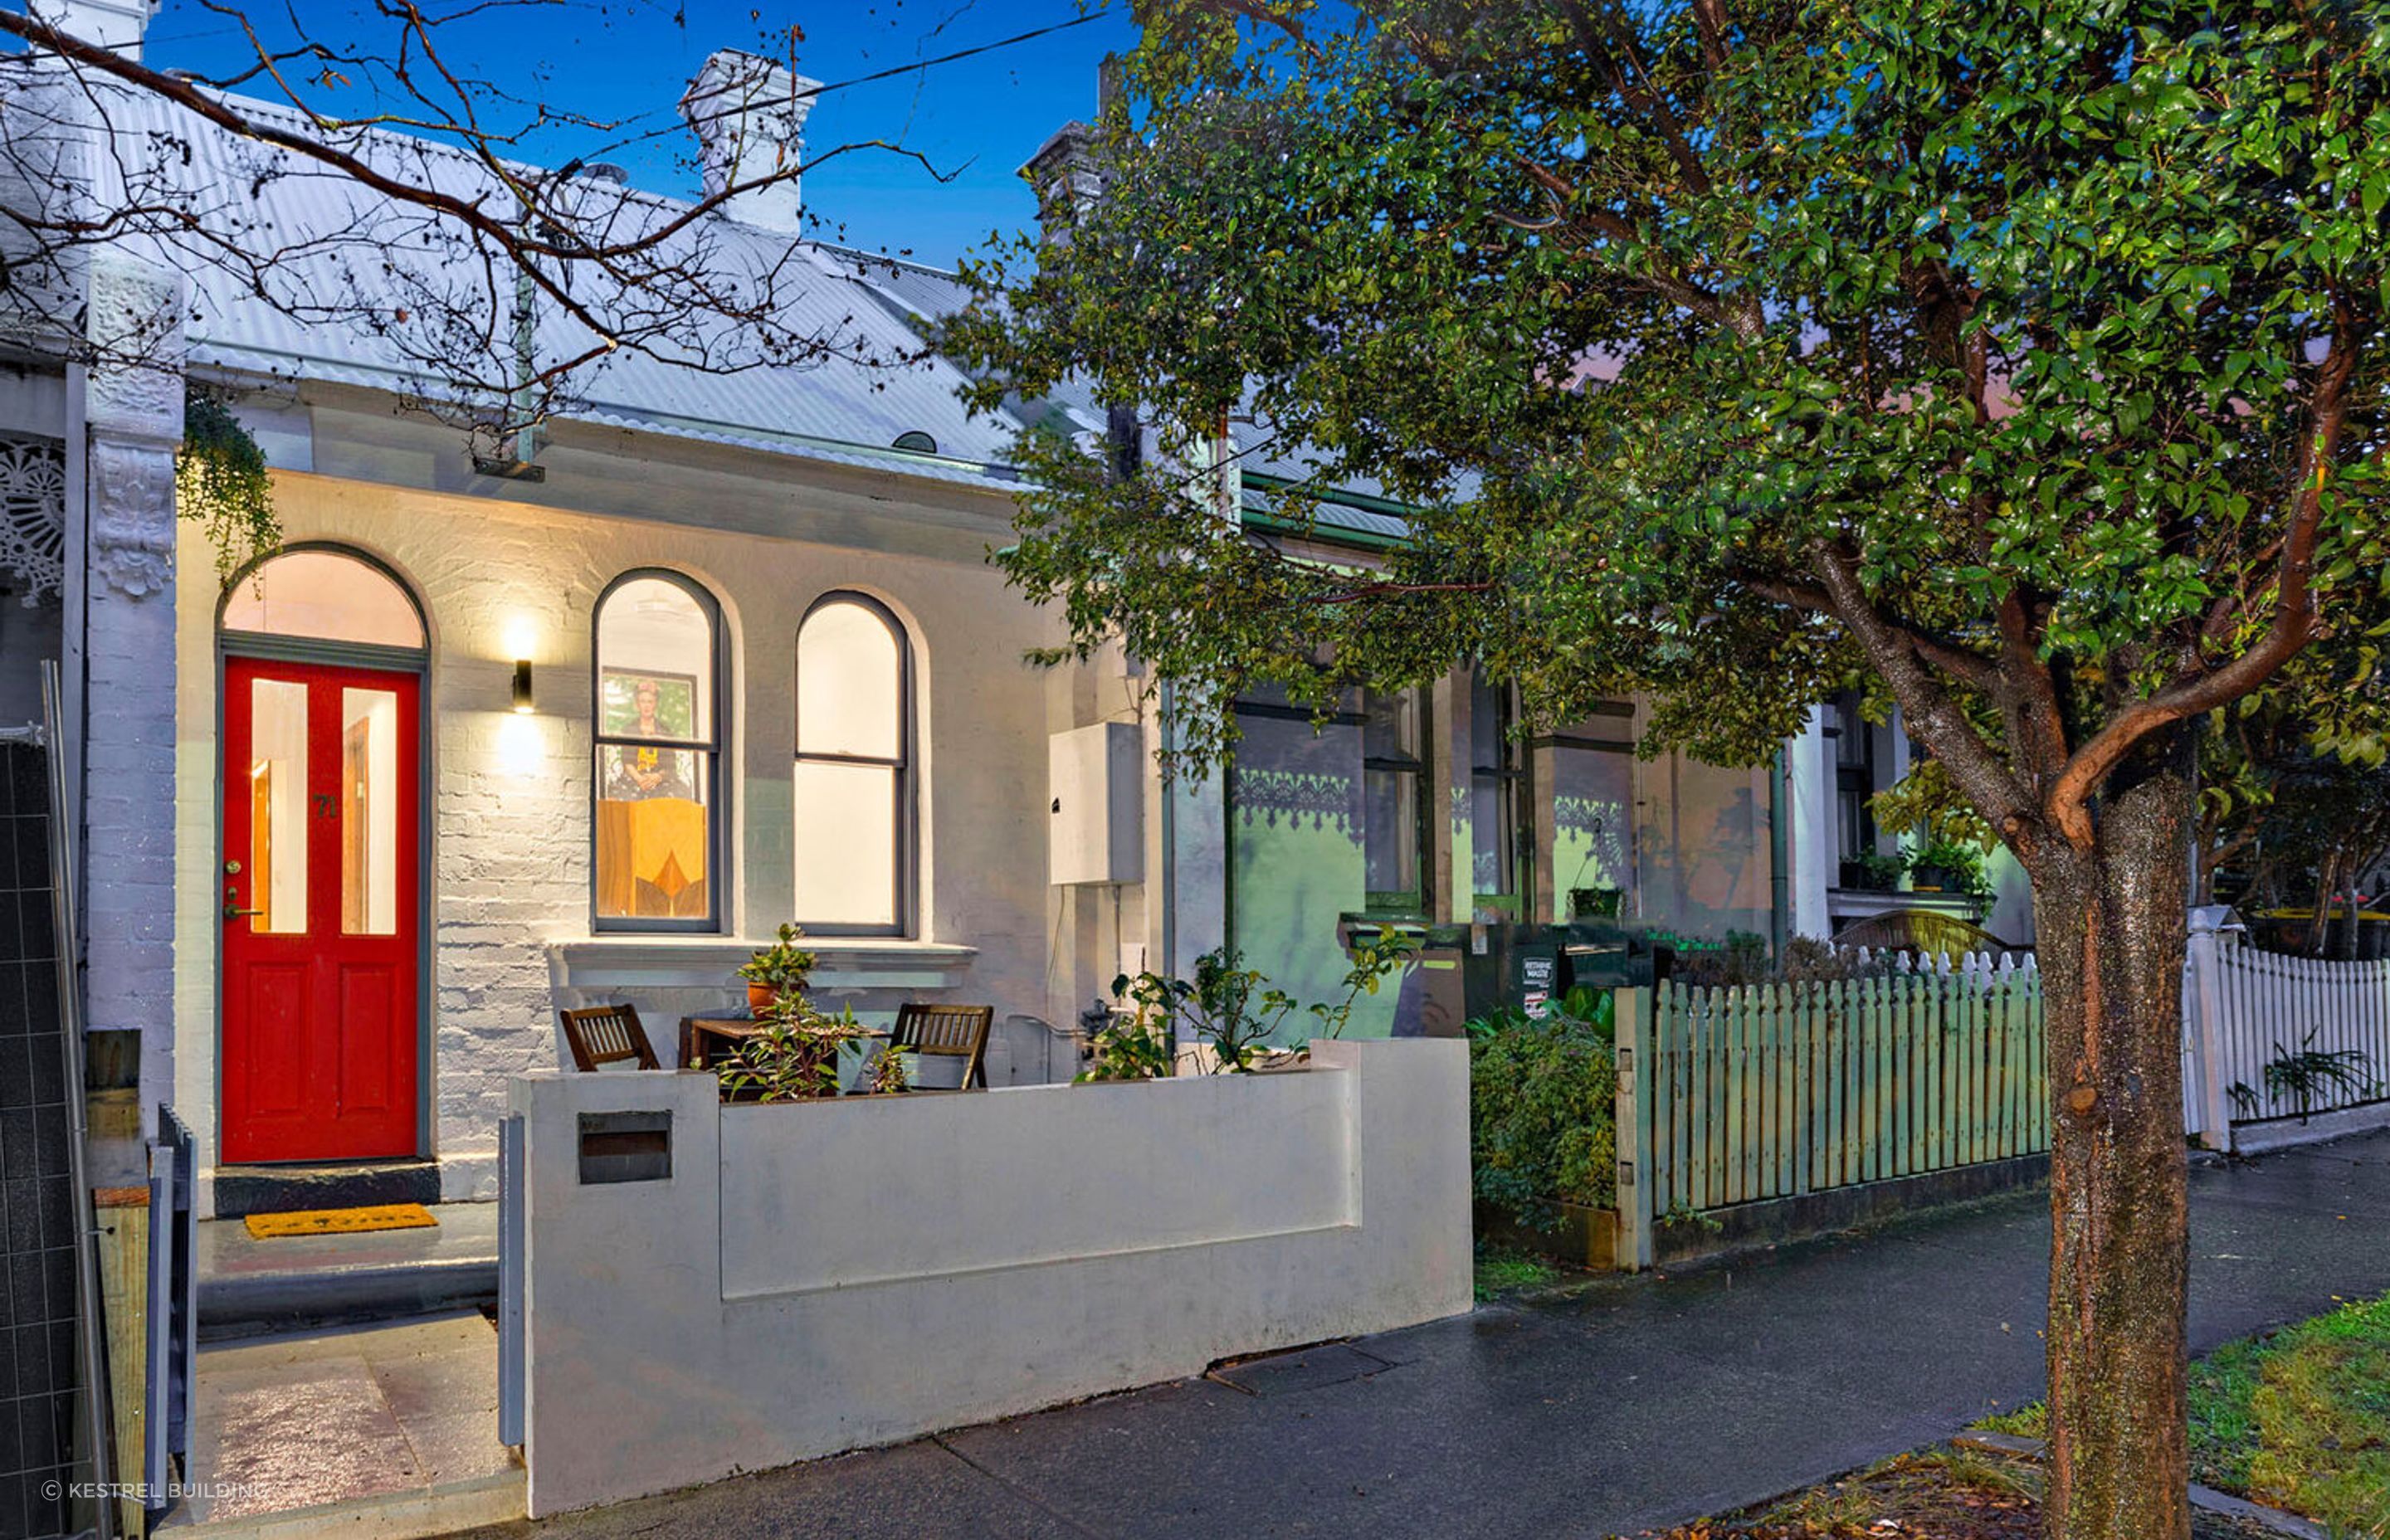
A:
x,y
625,1146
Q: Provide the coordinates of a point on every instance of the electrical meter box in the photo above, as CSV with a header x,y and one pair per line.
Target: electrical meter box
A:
x,y
1096,804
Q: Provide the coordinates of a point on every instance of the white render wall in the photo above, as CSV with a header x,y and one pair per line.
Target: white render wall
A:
x,y
792,1291
498,566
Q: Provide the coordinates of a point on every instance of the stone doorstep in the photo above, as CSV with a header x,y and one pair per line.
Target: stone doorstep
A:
x,y
418,1515
2201,1497
244,1190
248,1286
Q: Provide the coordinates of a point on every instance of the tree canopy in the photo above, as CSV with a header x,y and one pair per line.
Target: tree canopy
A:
x,y
2026,360
2032,354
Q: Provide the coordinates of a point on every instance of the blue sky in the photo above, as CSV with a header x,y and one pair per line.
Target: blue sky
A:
x,y
976,120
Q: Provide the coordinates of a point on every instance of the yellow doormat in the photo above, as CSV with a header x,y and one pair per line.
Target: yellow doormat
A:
x,y
385,1216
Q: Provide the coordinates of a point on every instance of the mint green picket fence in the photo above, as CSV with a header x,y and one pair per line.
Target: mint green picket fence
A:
x,y
1730,1096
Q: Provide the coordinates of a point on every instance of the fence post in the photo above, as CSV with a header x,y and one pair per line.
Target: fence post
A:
x,y
2204,1008
1632,1016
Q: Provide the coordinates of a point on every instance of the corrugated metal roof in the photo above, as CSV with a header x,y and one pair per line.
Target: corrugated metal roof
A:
x,y
340,244
342,250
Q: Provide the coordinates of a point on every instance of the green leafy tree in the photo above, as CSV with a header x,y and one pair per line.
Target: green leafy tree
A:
x,y
2028,359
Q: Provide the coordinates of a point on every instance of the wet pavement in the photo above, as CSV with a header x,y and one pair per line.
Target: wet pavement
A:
x,y
1626,1404
367,1416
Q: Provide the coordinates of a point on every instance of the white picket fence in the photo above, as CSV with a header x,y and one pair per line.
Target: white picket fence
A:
x,y
1733,1095
2268,1037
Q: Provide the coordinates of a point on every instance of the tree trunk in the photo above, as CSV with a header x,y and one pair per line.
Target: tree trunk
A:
x,y
2109,929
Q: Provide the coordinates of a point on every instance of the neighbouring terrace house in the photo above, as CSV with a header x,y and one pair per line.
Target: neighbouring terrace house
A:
x,y
710,652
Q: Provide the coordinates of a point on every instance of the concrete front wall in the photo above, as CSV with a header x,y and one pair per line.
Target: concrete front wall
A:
x,y
509,795
774,1300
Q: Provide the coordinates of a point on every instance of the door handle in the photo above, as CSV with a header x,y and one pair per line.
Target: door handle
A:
x,y
232,909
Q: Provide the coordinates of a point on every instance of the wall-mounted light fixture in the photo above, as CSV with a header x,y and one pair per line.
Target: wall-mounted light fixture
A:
x,y
522,687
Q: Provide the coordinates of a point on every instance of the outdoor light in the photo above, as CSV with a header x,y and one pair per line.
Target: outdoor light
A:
x,y
522,687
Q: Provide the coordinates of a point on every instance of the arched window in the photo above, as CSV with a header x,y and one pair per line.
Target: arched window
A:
x,y
317,594
657,728
853,774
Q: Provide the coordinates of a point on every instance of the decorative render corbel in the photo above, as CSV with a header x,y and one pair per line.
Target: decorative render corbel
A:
x,y
135,323
132,516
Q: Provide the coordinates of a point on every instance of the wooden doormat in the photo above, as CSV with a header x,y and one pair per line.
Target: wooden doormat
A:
x,y
383,1216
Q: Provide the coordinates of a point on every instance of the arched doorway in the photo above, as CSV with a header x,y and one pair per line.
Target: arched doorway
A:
x,y
322,865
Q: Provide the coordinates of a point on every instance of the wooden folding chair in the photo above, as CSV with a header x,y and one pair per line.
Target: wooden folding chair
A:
x,y
606,1035
956,1031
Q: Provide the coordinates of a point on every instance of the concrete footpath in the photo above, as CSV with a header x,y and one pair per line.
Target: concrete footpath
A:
x,y
1624,1406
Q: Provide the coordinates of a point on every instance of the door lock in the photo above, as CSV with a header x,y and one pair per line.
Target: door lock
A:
x,y
232,909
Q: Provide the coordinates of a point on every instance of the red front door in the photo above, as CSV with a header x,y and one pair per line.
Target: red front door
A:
x,y
319,888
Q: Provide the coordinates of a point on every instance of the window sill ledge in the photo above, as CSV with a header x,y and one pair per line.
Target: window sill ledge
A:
x,y
635,962
1863,902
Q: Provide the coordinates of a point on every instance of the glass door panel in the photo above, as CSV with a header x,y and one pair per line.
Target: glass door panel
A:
x,y
278,806
368,812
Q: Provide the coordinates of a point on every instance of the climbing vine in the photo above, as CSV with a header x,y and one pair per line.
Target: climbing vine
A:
x,y
221,480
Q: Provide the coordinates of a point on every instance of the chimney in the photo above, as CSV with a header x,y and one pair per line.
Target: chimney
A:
x,y
750,117
112,24
1064,173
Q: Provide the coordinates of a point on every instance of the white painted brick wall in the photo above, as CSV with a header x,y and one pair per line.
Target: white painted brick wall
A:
x,y
510,795
129,819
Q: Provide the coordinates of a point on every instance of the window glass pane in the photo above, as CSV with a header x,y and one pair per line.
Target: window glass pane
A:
x,y
655,663
655,832
1390,724
1602,727
1300,858
850,685
1489,837
1854,742
369,813
846,843
1390,803
324,594
278,806
1491,751
1593,808
1703,845
1487,746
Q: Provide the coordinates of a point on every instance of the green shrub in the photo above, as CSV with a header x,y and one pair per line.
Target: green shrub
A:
x,y
1542,1098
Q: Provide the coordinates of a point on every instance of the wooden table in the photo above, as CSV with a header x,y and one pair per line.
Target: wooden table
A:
x,y
724,1033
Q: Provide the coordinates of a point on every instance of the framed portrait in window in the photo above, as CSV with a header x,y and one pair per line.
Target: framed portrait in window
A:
x,y
647,703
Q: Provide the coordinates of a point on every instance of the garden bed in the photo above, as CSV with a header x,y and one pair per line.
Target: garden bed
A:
x,y
2297,1419
1569,1234
1932,1495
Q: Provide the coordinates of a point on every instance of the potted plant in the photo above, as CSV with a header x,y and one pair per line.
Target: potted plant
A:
x,y
793,1054
1596,903
1951,867
1874,872
778,972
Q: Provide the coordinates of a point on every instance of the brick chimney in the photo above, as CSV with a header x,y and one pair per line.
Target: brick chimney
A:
x,y
1064,176
750,117
1065,173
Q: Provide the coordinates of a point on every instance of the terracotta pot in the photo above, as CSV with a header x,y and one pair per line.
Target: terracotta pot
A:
x,y
760,996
